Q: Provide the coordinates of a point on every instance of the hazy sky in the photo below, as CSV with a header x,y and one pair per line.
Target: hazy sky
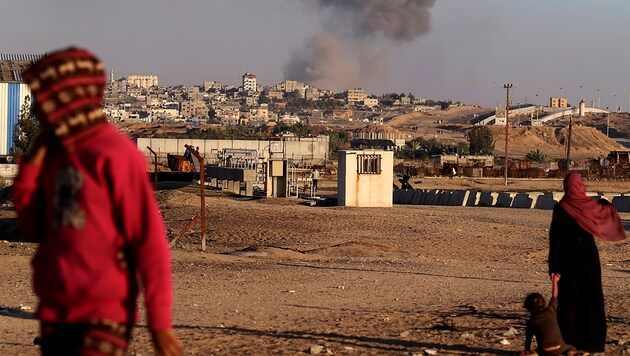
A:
x,y
471,48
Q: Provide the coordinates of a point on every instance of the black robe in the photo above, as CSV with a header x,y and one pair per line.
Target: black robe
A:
x,y
573,254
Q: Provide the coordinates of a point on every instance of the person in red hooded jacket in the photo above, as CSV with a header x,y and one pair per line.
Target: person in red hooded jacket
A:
x,y
573,254
83,193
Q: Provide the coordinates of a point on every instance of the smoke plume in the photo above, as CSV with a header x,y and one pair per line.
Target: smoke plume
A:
x,y
360,34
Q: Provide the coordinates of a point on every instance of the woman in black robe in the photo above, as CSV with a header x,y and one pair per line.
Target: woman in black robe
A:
x,y
573,254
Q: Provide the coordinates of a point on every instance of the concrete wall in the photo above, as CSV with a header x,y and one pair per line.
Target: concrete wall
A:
x,y
310,150
530,200
365,190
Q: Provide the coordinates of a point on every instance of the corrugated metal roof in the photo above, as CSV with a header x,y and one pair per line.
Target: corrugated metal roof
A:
x,y
21,57
12,65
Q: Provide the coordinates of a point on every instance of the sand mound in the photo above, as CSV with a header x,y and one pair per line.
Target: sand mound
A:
x,y
267,251
354,249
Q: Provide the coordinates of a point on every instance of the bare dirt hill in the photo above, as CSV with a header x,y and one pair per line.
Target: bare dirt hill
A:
x,y
452,125
586,141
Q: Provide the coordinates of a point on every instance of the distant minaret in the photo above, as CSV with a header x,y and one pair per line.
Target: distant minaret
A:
x,y
111,75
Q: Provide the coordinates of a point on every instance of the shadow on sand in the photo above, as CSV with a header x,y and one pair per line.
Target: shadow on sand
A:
x,y
401,272
354,341
16,313
9,230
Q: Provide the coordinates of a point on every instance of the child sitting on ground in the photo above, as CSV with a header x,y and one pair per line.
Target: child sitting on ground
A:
x,y
544,325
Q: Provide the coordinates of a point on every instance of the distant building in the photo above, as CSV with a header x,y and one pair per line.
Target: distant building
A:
x,y
249,83
288,86
13,94
558,102
193,109
355,96
370,102
311,93
212,85
142,81
272,94
261,112
289,119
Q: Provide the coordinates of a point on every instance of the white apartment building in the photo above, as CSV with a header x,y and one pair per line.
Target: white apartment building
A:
x,y
142,81
249,83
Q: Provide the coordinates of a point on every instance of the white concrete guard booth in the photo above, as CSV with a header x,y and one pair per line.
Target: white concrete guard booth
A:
x,y
365,178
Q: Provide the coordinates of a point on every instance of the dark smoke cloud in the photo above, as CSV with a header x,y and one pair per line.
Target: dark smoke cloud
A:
x,y
353,52
395,19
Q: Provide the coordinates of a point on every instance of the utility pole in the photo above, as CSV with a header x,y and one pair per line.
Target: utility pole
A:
x,y
507,110
569,144
616,104
599,104
607,121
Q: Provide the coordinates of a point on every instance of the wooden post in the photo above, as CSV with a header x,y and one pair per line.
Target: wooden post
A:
x,y
569,145
507,110
155,170
202,212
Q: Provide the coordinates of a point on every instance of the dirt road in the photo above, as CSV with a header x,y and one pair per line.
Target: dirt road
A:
x,y
280,278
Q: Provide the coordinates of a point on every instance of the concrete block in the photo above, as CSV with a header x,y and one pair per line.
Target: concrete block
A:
x,y
443,197
622,203
545,202
396,196
609,196
423,196
432,197
458,198
224,185
417,197
504,200
473,198
249,189
487,198
523,201
406,196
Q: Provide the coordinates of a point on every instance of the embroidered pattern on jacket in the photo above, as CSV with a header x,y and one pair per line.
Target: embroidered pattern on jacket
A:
x,y
67,211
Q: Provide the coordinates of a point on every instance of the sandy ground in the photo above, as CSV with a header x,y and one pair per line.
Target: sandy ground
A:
x,y
281,278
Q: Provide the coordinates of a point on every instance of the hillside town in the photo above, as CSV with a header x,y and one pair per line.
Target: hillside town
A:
x,y
141,98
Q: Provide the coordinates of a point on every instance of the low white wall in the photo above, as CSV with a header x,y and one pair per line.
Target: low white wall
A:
x,y
311,150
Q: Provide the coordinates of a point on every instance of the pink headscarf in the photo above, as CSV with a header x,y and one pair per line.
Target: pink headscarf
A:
x,y
601,220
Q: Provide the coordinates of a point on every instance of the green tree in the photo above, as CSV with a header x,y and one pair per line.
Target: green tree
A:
x,y
25,131
538,156
338,140
462,148
481,141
